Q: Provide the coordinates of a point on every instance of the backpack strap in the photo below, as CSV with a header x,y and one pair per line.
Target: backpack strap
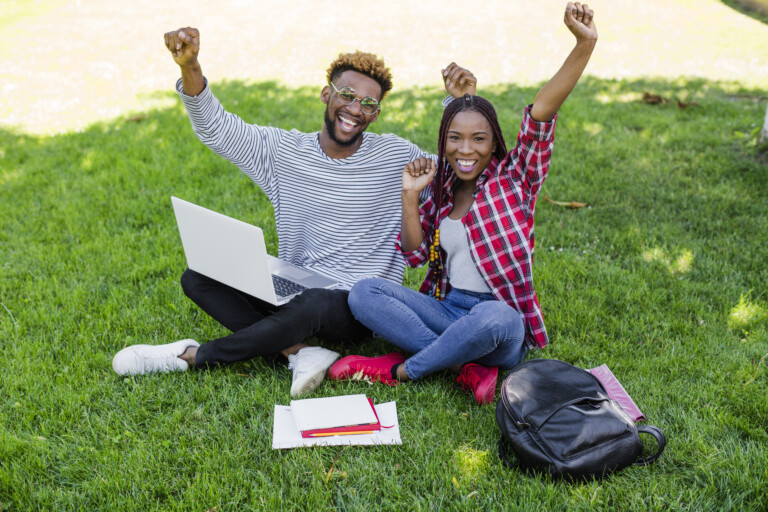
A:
x,y
660,439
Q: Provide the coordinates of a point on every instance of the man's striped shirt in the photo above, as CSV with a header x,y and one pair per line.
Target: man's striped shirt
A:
x,y
339,217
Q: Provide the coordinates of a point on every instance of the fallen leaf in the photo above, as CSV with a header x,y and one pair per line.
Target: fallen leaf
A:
x,y
137,118
652,99
682,105
338,474
573,204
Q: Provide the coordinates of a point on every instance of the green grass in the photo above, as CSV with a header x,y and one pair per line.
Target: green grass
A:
x,y
663,277
757,9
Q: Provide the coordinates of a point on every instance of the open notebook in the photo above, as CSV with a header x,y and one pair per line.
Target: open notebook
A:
x,y
337,415
285,435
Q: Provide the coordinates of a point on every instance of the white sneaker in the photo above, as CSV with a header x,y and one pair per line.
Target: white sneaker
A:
x,y
309,365
141,359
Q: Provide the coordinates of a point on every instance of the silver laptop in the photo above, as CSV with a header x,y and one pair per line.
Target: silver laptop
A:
x,y
233,252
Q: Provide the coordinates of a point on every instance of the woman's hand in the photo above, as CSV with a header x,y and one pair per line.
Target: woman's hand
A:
x,y
418,174
578,19
459,81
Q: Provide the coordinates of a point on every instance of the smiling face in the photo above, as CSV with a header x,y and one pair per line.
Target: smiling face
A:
x,y
469,144
345,124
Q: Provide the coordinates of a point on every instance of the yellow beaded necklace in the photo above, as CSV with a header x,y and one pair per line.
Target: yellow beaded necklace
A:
x,y
434,261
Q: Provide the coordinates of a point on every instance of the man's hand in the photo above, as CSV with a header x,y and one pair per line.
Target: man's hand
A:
x,y
184,45
578,19
459,81
418,174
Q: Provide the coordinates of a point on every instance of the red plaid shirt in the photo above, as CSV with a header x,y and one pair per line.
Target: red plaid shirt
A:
x,y
500,225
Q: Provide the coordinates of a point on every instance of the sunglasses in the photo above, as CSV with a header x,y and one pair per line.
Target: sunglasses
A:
x,y
347,96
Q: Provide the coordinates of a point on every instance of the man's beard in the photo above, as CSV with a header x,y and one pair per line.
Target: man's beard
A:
x,y
330,127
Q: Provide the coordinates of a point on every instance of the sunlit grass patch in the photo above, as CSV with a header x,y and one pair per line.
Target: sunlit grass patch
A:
x,y
680,262
746,314
8,175
472,462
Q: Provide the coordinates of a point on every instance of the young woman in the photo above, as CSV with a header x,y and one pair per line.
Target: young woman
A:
x,y
477,309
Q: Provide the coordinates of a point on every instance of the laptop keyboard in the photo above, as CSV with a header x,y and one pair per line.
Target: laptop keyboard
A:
x,y
284,287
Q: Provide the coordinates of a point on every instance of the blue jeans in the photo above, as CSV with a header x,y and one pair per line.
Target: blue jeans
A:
x,y
465,327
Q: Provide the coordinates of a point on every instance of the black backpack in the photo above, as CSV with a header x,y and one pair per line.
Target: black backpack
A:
x,y
559,420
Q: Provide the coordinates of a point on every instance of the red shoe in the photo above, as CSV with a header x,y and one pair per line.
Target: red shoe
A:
x,y
480,381
371,369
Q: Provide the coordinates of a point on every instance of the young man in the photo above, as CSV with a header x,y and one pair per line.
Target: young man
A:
x,y
336,196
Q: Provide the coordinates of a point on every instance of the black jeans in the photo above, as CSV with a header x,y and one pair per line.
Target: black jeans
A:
x,y
261,329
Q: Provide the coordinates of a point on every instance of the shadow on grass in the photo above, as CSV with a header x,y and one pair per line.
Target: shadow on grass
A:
x,y
755,9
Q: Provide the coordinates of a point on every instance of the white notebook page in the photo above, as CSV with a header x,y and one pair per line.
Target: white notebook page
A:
x,y
330,412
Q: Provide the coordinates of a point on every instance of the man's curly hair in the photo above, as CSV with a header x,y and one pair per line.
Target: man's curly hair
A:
x,y
366,63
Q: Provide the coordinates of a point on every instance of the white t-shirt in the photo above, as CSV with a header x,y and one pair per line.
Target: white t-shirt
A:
x,y
461,268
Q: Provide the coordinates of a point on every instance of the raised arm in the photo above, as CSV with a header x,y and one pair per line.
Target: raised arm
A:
x,y
578,19
250,147
417,175
184,45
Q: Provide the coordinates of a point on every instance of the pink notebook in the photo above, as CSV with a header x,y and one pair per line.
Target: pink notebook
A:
x,y
617,392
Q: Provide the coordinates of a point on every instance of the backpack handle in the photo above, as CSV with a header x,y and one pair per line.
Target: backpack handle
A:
x,y
660,439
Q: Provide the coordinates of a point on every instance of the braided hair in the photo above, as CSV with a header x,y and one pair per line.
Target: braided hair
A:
x,y
439,192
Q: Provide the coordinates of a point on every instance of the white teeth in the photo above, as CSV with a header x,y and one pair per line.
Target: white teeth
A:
x,y
347,121
466,163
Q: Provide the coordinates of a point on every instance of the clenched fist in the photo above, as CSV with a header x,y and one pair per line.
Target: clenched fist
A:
x,y
184,45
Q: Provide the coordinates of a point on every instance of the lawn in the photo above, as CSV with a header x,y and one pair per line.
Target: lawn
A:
x,y
662,277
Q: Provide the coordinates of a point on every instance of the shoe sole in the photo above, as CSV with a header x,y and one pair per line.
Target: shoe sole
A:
x,y
315,380
312,383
